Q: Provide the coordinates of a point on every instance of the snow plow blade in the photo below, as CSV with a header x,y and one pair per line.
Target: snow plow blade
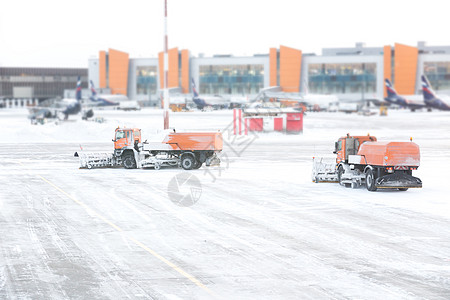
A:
x,y
398,181
96,160
323,171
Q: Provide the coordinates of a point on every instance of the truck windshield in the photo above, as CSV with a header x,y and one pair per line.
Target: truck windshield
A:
x,y
120,135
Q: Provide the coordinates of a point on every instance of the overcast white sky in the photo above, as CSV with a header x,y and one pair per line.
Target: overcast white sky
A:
x,y
49,33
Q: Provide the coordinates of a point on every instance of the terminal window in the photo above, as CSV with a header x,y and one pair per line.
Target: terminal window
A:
x,y
231,79
438,73
337,78
146,80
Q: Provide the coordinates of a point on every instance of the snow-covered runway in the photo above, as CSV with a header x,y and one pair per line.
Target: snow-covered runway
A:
x,y
260,228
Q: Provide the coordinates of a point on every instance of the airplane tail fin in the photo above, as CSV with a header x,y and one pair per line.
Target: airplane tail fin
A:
x,y
93,91
78,89
428,93
391,92
194,90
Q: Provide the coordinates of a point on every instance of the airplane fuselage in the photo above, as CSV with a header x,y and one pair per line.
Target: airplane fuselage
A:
x,y
438,104
215,102
107,100
404,102
431,98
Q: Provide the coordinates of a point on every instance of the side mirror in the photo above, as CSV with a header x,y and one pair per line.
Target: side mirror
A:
x,y
113,140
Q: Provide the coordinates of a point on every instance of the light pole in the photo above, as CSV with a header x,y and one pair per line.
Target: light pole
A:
x,y
166,70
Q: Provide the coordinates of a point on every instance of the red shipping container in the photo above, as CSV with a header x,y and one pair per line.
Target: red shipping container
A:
x,y
278,124
294,122
255,124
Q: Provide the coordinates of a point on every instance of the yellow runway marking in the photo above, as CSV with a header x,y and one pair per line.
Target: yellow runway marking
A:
x,y
152,252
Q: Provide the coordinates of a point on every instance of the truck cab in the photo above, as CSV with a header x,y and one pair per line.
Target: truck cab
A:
x,y
125,141
126,137
349,145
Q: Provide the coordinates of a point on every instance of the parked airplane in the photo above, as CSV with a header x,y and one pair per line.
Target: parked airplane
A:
x,y
413,102
177,100
312,101
321,101
215,102
238,101
104,100
431,99
53,108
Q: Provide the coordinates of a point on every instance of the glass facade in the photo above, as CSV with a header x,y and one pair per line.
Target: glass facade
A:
x,y
231,79
44,82
438,73
146,80
342,78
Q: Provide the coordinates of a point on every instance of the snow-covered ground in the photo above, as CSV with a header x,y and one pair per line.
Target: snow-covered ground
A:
x,y
259,230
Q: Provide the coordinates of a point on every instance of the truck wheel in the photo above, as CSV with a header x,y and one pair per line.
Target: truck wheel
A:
x,y
197,165
188,162
403,189
370,181
128,161
339,174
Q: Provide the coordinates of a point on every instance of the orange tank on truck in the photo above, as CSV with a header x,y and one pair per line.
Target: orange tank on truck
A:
x,y
390,154
197,141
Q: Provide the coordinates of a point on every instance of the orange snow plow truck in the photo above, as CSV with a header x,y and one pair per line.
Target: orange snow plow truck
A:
x,y
364,160
186,150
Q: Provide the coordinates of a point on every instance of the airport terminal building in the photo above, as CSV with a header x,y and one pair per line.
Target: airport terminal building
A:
x,y
350,73
39,83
